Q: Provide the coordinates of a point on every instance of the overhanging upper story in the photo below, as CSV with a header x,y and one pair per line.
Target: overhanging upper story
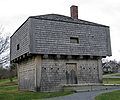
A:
x,y
54,34
62,35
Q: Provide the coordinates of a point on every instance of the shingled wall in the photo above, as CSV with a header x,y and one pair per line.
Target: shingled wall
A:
x,y
53,73
53,37
27,74
50,35
37,74
21,37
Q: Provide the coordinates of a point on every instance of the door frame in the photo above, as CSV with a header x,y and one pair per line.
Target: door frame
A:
x,y
75,72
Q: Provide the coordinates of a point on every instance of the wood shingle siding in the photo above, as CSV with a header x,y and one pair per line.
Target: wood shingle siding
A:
x,y
54,50
52,37
47,36
22,38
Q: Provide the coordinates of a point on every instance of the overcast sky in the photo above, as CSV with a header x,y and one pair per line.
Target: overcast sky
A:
x,y
14,12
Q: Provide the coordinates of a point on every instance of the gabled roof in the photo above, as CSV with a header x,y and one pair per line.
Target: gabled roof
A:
x,y
111,64
62,18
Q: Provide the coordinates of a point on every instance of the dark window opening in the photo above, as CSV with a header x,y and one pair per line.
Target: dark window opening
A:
x,y
52,56
74,40
18,47
75,57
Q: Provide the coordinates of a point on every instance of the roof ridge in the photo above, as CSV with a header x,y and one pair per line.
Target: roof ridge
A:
x,y
58,17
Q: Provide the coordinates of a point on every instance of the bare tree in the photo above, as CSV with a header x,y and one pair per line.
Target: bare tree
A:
x,y
4,48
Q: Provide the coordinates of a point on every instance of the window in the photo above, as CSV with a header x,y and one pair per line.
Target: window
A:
x,y
74,40
18,47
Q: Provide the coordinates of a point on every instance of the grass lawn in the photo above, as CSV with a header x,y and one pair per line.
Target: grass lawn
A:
x,y
6,82
110,75
8,91
118,74
111,80
115,95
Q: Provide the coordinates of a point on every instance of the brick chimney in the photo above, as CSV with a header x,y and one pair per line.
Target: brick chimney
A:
x,y
74,11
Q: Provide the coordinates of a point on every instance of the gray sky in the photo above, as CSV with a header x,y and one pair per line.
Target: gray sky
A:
x,y
14,12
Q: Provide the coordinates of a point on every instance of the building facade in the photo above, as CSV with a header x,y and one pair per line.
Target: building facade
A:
x,y
53,50
111,67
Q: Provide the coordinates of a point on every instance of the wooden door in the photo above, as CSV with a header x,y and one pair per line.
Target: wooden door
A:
x,y
71,73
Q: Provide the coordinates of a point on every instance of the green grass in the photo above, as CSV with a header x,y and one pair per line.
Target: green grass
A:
x,y
9,91
115,95
6,82
110,75
111,80
118,74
